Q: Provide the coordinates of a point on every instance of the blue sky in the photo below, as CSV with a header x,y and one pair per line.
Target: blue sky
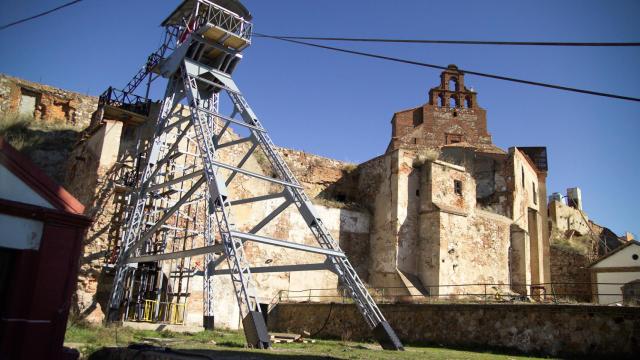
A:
x,y
340,106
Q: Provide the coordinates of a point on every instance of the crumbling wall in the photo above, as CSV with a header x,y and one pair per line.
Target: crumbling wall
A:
x,y
527,187
491,174
460,244
108,152
383,189
43,122
377,184
565,218
45,103
322,177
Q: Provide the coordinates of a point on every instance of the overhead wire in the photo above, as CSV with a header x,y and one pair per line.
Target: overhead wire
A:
x,y
456,42
6,26
297,40
440,67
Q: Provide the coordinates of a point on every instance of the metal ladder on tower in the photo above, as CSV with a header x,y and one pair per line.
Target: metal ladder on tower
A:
x,y
199,79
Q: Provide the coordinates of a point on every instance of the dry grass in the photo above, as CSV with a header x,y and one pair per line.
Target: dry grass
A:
x,y
24,132
47,143
578,244
425,156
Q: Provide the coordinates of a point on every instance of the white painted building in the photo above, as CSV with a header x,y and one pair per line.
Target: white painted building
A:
x,y
612,271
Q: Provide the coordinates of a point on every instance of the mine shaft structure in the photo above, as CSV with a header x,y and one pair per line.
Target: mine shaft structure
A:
x,y
181,192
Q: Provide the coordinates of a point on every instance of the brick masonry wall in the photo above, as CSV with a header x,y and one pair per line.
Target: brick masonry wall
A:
x,y
51,104
321,177
570,273
58,117
555,330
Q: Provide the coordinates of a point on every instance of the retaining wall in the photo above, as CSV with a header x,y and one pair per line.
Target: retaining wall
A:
x,y
556,330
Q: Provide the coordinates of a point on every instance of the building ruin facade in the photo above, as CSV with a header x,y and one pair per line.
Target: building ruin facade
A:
x,y
442,211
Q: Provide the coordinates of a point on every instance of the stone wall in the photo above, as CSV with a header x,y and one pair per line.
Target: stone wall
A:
x,y
570,274
554,330
43,122
42,102
566,218
321,177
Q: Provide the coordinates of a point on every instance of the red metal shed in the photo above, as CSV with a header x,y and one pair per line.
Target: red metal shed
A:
x,y
41,232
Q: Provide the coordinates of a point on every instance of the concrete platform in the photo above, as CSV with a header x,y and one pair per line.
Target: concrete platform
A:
x,y
160,327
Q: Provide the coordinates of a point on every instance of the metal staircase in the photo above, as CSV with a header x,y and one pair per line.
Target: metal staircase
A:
x,y
198,71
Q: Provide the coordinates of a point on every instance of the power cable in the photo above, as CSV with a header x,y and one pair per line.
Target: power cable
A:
x,y
3,27
326,321
455,42
470,72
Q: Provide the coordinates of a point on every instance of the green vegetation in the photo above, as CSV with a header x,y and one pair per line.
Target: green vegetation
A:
x,y
230,345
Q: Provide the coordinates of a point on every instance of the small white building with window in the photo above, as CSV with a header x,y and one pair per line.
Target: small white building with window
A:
x,y
611,272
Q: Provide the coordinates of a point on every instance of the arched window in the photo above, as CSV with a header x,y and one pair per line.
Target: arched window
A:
x,y
441,100
453,84
468,103
453,102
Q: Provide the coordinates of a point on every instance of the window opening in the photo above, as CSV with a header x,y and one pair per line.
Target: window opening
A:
x,y
453,138
457,187
453,84
467,102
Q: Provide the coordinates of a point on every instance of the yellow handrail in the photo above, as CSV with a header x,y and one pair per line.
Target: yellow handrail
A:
x,y
177,313
149,310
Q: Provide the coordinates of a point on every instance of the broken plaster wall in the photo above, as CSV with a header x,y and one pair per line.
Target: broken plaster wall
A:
x,y
459,244
351,228
94,168
383,191
528,198
564,218
97,166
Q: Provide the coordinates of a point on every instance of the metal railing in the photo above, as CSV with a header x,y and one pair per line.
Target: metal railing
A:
x,y
553,292
166,312
224,19
125,101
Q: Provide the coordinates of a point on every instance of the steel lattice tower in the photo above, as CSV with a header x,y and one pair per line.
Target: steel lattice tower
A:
x,y
203,44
